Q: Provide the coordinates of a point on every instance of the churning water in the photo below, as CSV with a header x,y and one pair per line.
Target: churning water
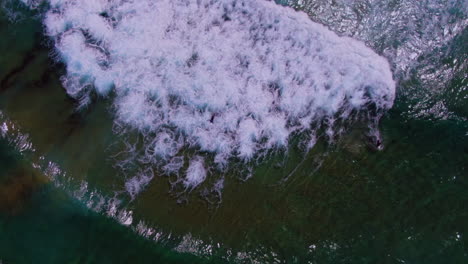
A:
x,y
102,97
229,79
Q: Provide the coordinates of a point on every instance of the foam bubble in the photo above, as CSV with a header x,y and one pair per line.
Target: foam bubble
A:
x,y
196,173
233,78
136,184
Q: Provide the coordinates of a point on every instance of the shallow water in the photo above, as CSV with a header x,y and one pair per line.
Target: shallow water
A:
x,y
64,200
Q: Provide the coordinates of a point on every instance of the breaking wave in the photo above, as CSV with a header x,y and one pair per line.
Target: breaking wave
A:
x,y
226,79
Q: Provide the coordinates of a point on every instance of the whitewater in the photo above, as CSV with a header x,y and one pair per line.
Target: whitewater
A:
x,y
227,79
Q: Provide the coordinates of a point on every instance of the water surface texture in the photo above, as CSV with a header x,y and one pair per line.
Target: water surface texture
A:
x,y
233,131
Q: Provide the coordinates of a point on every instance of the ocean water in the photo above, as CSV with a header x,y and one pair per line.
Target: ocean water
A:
x,y
233,132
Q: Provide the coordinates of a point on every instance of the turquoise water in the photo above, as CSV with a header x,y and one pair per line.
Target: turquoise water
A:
x,y
341,203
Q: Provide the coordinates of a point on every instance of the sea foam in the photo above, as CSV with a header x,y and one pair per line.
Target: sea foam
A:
x,y
229,79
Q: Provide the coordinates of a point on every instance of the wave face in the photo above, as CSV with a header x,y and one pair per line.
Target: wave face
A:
x,y
423,41
230,78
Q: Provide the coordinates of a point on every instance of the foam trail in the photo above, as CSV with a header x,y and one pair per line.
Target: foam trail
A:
x,y
233,78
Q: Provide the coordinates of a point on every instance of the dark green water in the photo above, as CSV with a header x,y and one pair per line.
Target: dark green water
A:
x,y
41,224
342,204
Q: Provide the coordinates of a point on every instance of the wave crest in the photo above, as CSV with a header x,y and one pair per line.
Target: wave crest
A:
x,y
233,78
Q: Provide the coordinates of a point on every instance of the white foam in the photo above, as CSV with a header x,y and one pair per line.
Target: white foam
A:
x,y
137,183
230,77
196,173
